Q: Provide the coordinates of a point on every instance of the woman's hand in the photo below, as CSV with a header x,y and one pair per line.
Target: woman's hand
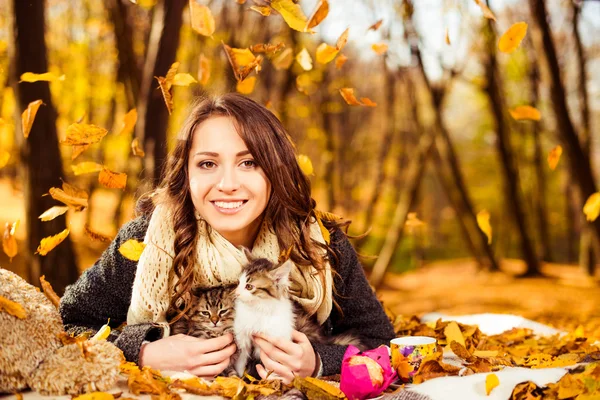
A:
x,y
287,359
201,357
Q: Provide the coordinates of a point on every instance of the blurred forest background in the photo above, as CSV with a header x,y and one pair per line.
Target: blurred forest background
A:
x,y
451,186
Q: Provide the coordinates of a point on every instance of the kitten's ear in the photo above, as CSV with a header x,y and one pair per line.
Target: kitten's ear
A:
x,y
281,274
247,254
196,291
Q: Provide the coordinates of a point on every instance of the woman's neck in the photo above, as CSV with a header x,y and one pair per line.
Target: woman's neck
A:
x,y
245,237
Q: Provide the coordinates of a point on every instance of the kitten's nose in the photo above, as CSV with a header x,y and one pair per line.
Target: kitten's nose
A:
x,y
214,320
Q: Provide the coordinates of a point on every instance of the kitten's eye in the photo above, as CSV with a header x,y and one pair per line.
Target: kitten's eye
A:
x,y
223,312
249,287
205,313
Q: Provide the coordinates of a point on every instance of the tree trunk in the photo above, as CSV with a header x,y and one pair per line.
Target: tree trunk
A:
x,y
579,162
504,147
40,153
153,116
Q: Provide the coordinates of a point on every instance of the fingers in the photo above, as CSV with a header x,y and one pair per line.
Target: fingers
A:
x,y
299,337
292,360
270,375
211,345
216,357
281,370
210,371
287,346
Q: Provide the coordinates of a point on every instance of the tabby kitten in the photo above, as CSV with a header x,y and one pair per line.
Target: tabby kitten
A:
x,y
263,305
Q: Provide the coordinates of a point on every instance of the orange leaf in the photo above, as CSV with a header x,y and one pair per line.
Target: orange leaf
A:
x,y
132,249
525,113
283,60
340,61
28,116
486,11
83,134
512,38
49,292
202,19
554,157
136,149
452,332
303,58
112,180
326,53
247,85
49,243
76,201
320,13
203,70
86,167
129,122
97,236
9,242
343,39
367,102
165,84
380,48
53,212
265,11
268,48
242,61
375,26
447,37
12,308
348,95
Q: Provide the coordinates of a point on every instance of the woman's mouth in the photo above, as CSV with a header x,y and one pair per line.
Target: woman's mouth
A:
x,y
229,207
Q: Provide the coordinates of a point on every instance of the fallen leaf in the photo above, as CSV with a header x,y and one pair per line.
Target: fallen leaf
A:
x,y
305,164
483,221
375,26
452,332
591,209
314,388
525,113
47,244
569,387
283,60
340,61
112,180
28,116
380,48
491,381
486,11
83,134
265,11
49,292
512,38
318,15
129,122
203,69
86,167
303,58
46,76
12,308
95,396
202,19
9,242
53,212
183,79
136,149
291,13
132,249
554,157
97,236
246,86
102,333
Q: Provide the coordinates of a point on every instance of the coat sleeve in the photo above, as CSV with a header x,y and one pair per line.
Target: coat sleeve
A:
x,y
361,312
103,292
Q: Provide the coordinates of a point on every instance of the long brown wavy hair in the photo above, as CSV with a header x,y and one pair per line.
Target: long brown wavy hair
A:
x,y
290,209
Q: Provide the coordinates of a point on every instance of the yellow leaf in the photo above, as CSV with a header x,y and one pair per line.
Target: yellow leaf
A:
x,y
129,122
49,243
247,85
591,209
132,249
83,134
447,37
74,191
265,11
305,85
283,60
78,203
47,76
112,180
136,149
53,212
485,353
303,58
483,220
165,84
486,11
102,333
291,13
375,26
28,116
453,333
491,381
380,48
242,61
202,19
97,236
350,98
183,79
203,70
326,53
579,332
340,61
570,387
9,242
95,396
4,157
77,150
12,308
243,57
324,231
525,112
342,40
511,39
320,13
554,157
86,167
305,164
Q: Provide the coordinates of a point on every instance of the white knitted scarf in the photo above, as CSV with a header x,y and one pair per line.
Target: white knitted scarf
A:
x,y
218,263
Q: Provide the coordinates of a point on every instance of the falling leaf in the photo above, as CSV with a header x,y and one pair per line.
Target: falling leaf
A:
x,y
447,37
554,157
47,76
491,381
132,249
112,180
102,333
129,122
320,13
350,98
86,167
375,26
4,157
242,61
326,53
77,150
28,116
49,292
291,13
305,164
591,209
203,70
241,1
53,212
511,39
97,236
77,201
483,220
49,243
283,60
9,242
268,48
342,40
165,84
305,84
246,86
340,61
83,134
367,102
202,19
12,308
303,58
265,11
486,11
380,48
136,149
453,333
183,79
525,113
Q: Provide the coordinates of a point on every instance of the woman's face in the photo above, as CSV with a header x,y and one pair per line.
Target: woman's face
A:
x,y
227,188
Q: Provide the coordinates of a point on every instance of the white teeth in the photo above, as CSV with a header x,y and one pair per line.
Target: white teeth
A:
x,y
229,204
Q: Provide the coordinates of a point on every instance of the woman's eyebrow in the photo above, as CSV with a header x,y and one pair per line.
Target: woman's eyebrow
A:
x,y
211,154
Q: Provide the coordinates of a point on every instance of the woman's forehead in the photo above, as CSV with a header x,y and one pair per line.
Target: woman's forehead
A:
x,y
217,135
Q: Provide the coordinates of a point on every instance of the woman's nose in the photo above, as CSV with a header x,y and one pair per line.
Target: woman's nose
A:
x,y
229,181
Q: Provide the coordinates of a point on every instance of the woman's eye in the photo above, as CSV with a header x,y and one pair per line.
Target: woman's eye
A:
x,y
249,287
249,163
206,164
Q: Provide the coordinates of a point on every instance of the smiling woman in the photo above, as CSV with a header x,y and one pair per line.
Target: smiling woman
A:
x,y
232,182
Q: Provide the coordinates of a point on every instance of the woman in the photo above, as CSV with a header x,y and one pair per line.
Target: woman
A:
x,y
232,180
